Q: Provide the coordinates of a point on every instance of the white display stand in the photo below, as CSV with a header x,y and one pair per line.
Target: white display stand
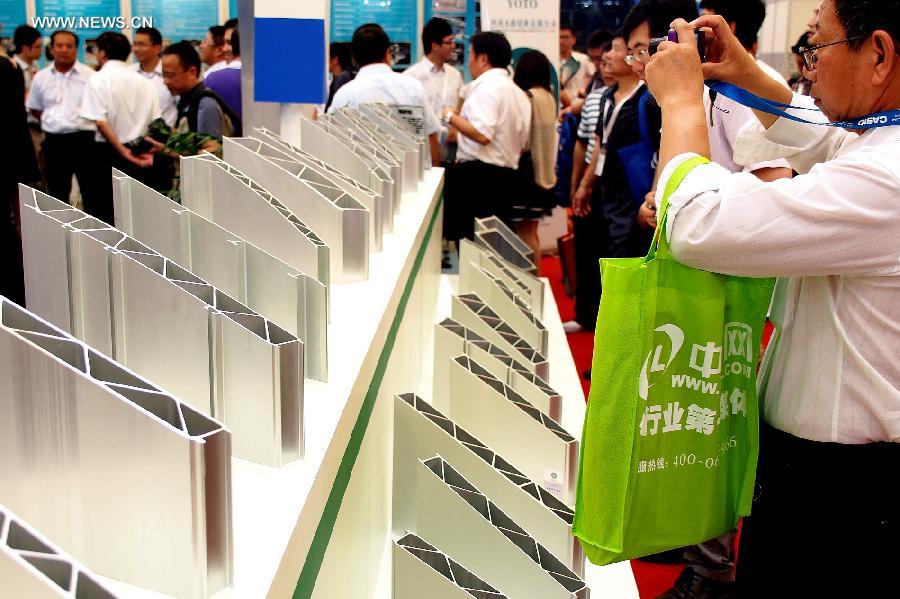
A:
x,y
325,520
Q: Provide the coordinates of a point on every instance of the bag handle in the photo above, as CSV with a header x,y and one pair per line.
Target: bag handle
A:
x,y
660,246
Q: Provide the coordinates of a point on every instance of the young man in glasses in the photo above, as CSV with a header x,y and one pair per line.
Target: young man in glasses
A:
x,y
825,512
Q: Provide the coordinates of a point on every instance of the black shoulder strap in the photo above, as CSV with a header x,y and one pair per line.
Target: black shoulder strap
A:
x,y
194,109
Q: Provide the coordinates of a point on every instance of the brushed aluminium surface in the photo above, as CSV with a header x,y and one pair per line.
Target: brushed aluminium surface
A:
x,y
421,431
388,167
421,570
389,118
32,567
526,286
404,150
125,477
182,333
221,193
470,311
452,339
339,219
332,144
493,234
291,299
456,516
528,438
508,305
375,202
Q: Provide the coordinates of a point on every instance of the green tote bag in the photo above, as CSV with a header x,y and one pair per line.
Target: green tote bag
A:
x,y
670,440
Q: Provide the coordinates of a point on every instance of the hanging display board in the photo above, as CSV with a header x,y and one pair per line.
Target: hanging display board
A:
x,y
179,19
398,17
12,14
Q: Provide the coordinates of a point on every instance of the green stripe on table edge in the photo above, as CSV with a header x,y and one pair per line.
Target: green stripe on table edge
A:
x,y
325,528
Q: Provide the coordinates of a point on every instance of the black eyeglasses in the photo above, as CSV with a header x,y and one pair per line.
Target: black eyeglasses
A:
x,y
811,59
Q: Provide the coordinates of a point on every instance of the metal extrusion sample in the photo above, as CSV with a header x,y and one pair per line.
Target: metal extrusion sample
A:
x,y
470,311
404,150
387,167
89,450
452,339
339,219
289,298
31,566
508,305
421,431
493,234
529,439
421,570
383,117
527,287
457,517
378,205
221,193
329,144
182,333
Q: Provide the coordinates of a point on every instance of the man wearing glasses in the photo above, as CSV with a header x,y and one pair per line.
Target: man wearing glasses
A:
x,y
441,80
825,512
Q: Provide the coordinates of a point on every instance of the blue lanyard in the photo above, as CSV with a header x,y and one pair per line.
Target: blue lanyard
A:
x,y
742,96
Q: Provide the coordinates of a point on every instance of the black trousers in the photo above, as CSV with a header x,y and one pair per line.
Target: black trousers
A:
x,y
825,520
476,189
67,154
610,230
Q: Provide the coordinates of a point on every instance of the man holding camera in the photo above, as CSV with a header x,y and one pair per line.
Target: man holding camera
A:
x,y
830,381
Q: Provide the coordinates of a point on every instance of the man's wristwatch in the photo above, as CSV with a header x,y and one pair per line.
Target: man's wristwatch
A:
x,y
448,116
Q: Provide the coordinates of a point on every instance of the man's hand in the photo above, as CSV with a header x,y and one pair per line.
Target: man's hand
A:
x,y
647,212
674,74
581,202
726,58
157,146
142,160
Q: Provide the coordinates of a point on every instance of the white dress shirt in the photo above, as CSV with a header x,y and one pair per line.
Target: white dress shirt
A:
x,y
213,68
234,64
576,80
441,85
122,98
58,97
166,101
379,84
501,112
725,119
772,72
832,373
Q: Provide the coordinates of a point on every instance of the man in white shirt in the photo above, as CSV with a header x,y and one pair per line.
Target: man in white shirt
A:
x,y
212,50
28,49
494,126
55,100
746,18
122,103
575,68
377,83
830,380
442,81
147,49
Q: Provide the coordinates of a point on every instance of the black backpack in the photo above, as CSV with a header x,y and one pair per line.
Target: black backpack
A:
x,y
193,110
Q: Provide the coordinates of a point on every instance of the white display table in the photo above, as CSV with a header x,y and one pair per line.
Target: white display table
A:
x,y
321,526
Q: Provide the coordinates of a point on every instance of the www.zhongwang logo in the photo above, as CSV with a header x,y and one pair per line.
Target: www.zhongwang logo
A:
x,y
706,359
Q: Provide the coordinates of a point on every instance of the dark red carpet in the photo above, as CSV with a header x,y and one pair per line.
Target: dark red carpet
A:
x,y
652,579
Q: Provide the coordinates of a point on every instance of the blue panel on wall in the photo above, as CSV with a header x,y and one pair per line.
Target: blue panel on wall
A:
x,y
12,14
397,17
289,60
232,9
179,19
87,18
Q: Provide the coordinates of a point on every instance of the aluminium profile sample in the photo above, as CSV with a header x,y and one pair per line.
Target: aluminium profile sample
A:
x,y
421,570
421,431
457,517
529,439
470,311
372,149
33,567
333,145
527,287
89,450
221,193
172,327
494,235
404,149
452,339
509,306
338,218
388,118
289,298
375,201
